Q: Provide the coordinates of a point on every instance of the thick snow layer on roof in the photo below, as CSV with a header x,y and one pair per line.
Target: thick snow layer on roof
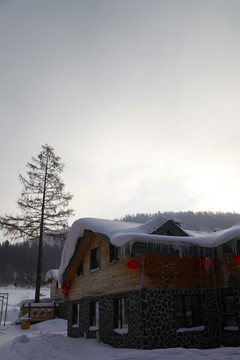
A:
x,y
107,227
123,234
52,274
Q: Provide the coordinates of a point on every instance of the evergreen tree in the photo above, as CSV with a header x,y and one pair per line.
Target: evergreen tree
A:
x,y
43,204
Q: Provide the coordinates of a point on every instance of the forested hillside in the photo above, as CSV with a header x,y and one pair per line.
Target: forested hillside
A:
x,y
18,262
203,221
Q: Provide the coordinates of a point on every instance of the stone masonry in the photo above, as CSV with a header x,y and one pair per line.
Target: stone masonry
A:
x,y
152,320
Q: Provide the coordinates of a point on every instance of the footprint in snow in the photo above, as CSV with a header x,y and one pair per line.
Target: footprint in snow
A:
x,y
22,339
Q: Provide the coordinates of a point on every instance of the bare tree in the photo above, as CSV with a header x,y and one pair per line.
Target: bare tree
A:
x,y
43,204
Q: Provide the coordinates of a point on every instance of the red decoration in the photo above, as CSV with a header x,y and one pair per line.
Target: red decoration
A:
x,y
133,265
64,289
236,259
206,261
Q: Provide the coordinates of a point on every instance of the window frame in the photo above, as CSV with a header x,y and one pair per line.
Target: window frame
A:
x,y
114,253
121,311
95,258
94,313
230,317
80,269
76,314
188,311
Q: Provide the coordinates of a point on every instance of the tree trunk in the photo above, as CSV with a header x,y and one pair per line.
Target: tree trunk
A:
x,y
40,242
39,270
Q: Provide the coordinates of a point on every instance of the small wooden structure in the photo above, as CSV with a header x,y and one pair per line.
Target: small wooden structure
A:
x,y
25,324
38,312
55,291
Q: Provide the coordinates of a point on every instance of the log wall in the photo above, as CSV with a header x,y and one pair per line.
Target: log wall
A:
x,y
109,278
173,272
157,271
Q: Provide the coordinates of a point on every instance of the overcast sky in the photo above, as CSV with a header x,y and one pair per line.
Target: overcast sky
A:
x,y
139,98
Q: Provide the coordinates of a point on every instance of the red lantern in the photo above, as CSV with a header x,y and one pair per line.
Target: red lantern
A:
x,y
236,259
64,289
206,261
133,265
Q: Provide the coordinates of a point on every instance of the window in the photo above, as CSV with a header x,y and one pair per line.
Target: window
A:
x,y
230,311
187,311
114,253
80,269
75,314
94,313
121,313
94,258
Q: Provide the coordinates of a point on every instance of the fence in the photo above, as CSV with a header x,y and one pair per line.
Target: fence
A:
x,y
4,306
39,311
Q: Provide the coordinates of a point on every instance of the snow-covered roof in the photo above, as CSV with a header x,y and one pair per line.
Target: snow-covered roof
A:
x,y
125,234
52,274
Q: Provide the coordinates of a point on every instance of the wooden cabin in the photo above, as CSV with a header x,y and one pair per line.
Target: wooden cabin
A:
x,y
56,294
55,291
152,285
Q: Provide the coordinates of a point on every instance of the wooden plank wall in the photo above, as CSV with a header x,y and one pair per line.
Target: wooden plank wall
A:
x,y
55,293
171,271
157,271
228,273
109,278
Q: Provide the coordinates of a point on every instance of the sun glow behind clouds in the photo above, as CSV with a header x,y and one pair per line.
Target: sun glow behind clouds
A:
x,y
216,188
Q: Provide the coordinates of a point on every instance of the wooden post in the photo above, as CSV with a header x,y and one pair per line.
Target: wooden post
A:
x,y
98,336
29,311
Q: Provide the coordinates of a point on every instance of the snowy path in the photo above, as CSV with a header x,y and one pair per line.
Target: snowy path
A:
x,y
48,340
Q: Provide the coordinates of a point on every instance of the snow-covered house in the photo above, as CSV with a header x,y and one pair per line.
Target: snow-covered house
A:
x,y
55,291
152,285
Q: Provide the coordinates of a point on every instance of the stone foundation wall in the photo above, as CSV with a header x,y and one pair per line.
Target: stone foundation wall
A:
x,y
231,338
152,323
61,310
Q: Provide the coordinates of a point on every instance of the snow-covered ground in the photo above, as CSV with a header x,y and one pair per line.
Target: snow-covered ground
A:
x,y
16,295
48,340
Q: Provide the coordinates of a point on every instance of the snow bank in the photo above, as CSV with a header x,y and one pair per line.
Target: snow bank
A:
x,y
48,340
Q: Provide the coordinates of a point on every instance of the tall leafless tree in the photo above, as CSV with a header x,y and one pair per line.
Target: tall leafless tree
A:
x,y
43,204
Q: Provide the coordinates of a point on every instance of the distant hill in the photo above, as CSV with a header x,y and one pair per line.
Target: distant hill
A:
x,y
200,221
18,262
